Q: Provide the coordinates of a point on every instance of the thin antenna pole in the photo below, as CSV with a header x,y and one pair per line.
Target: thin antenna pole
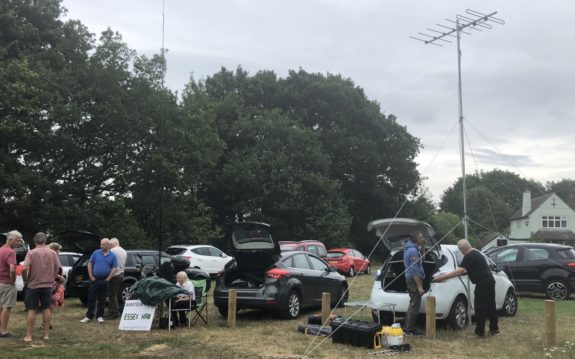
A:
x,y
474,20
162,140
461,143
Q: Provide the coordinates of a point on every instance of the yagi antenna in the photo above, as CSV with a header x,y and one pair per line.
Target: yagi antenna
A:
x,y
472,20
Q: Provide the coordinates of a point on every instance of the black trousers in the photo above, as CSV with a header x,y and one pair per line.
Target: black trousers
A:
x,y
485,306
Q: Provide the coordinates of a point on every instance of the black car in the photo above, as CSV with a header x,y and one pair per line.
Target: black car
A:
x,y
265,279
538,267
86,242
78,281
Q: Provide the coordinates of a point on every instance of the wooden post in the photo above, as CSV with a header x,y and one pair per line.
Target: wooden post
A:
x,y
430,318
232,308
550,323
325,307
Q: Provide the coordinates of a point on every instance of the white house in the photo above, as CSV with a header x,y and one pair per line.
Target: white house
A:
x,y
546,218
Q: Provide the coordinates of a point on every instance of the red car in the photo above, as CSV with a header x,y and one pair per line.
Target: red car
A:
x,y
348,261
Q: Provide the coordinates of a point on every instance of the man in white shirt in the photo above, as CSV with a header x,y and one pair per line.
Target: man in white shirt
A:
x,y
116,281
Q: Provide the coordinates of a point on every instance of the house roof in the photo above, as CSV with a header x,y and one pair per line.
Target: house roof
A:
x,y
571,200
535,203
486,237
555,235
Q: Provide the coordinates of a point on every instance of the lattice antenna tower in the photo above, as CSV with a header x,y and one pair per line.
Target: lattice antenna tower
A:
x,y
444,33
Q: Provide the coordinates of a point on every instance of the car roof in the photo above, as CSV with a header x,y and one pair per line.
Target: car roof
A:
x,y
189,246
340,250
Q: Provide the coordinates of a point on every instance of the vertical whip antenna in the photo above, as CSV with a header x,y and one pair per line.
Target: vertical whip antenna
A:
x,y
472,20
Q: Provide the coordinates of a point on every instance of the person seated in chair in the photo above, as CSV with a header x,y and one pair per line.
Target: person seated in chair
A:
x,y
183,301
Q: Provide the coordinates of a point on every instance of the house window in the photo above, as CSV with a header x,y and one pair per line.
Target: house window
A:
x,y
554,222
526,223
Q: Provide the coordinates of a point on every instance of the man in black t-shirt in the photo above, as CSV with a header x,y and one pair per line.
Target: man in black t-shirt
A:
x,y
475,266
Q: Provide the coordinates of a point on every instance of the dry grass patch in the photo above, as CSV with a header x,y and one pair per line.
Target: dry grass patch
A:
x,y
262,335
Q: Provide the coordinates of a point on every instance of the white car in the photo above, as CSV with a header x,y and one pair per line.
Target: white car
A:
x,y
67,260
454,297
205,257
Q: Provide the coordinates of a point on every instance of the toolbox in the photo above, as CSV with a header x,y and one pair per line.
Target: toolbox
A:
x,y
355,332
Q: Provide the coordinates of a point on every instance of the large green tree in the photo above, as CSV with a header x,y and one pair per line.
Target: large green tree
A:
x,y
492,197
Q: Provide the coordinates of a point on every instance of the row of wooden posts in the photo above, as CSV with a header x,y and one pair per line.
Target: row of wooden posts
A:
x,y
430,323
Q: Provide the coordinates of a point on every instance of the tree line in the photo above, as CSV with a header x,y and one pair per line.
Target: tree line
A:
x,y
92,140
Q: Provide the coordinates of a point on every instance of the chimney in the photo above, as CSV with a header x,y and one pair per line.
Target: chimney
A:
x,y
526,202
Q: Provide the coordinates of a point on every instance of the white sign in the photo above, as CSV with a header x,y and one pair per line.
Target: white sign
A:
x,y
137,316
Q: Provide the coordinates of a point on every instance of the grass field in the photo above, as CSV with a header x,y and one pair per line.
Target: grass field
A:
x,y
261,335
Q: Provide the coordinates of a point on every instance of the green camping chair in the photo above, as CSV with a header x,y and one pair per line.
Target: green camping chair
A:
x,y
200,311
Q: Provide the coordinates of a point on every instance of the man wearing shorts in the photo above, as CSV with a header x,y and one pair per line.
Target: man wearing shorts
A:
x,y
39,272
7,280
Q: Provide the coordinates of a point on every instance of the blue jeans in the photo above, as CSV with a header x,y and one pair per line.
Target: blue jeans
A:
x,y
98,291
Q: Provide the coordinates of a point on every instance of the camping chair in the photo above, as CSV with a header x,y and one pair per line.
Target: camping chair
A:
x,y
188,309
200,310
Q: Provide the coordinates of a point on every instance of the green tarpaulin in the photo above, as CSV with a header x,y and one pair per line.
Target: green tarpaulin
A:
x,y
155,290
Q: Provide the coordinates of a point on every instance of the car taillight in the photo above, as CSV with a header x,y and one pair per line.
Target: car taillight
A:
x,y
277,273
571,265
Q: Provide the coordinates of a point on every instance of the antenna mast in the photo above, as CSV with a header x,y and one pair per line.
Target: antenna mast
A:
x,y
473,20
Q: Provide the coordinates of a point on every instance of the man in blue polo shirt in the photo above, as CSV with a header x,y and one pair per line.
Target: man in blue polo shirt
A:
x,y
101,268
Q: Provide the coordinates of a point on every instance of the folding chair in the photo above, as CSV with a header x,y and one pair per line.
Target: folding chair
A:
x,y
188,309
200,310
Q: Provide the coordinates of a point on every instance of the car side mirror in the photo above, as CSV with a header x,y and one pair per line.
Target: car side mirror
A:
x,y
332,269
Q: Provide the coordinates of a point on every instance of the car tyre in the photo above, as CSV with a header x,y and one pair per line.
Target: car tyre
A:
x,y
223,311
509,304
125,292
458,316
343,296
557,289
293,305
84,299
351,271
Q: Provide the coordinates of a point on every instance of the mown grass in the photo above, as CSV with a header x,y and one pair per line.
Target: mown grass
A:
x,y
263,335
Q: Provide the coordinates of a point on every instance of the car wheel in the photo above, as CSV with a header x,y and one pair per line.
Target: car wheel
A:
x,y
368,270
351,271
343,295
223,311
457,318
84,300
386,318
557,289
509,304
293,305
125,292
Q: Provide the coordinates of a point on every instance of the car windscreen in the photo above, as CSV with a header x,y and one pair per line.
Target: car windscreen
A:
x,y
175,251
567,253
252,238
334,254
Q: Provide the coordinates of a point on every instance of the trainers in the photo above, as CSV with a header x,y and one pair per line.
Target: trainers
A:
x,y
8,336
85,320
100,320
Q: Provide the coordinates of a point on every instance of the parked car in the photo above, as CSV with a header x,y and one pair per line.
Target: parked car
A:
x,y
538,267
315,247
205,257
67,260
79,282
454,297
264,279
348,261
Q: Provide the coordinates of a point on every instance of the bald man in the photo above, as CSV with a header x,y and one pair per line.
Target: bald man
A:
x,y
101,268
475,266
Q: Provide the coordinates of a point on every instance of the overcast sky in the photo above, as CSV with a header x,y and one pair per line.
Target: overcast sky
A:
x,y
518,78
